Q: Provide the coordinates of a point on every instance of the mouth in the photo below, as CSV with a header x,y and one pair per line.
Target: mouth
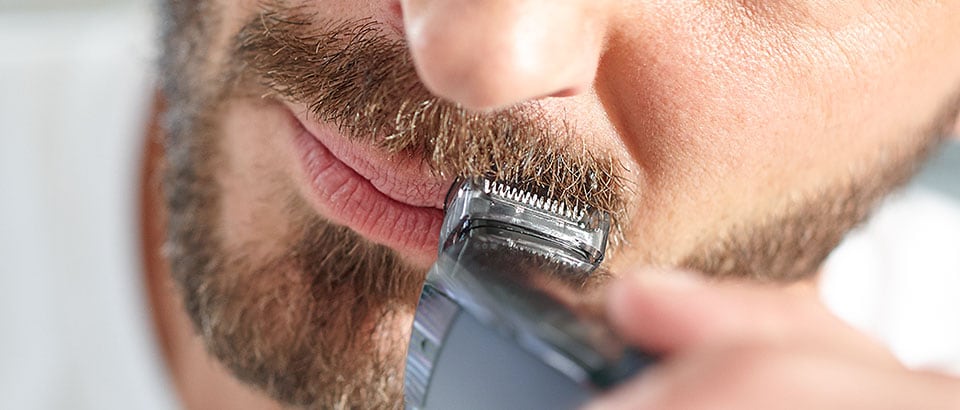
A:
x,y
387,199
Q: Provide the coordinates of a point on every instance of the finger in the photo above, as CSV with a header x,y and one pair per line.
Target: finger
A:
x,y
644,392
786,379
665,311
669,311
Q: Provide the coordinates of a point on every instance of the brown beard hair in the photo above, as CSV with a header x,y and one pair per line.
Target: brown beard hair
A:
x,y
314,326
792,244
311,327
307,327
352,75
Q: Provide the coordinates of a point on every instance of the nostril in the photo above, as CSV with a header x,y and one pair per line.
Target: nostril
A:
x,y
396,10
394,16
495,53
567,92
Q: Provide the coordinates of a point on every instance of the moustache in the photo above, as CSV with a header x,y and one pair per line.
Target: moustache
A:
x,y
353,75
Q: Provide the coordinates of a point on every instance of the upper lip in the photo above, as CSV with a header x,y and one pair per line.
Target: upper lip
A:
x,y
405,180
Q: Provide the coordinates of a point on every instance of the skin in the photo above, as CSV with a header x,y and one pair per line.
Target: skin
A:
x,y
741,345
697,74
725,116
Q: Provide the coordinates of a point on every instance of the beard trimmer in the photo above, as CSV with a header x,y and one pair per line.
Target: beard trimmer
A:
x,y
498,325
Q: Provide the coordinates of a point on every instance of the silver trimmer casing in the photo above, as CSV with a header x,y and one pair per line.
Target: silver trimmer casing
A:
x,y
499,325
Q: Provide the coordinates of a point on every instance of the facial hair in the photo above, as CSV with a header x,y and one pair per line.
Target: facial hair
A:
x,y
354,76
312,325
315,325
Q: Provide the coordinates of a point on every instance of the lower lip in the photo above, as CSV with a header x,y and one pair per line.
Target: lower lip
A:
x,y
345,197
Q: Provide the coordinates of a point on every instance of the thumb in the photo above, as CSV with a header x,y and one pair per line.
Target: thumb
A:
x,y
668,311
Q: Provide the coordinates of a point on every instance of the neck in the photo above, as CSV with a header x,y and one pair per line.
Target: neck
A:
x,y
201,382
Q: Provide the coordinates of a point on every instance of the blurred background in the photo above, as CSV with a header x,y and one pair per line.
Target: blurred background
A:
x,y
76,80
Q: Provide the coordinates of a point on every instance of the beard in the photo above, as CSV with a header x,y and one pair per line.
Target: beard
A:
x,y
315,324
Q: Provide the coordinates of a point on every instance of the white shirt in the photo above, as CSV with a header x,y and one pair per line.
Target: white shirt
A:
x,y
75,329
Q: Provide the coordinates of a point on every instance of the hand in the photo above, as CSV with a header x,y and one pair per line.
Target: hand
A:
x,y
748,346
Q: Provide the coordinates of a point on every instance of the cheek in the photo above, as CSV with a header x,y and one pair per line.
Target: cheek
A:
x,y
728,117
712,129
716,101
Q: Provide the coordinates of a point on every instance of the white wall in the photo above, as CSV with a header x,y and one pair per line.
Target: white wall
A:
x,y
75,332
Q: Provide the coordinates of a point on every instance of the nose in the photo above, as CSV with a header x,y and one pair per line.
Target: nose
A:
x,y
486,54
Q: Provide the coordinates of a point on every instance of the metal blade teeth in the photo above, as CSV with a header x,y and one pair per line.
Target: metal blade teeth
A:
x,y
575,211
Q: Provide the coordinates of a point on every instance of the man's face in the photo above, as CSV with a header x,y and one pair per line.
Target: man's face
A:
x,y
311,144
